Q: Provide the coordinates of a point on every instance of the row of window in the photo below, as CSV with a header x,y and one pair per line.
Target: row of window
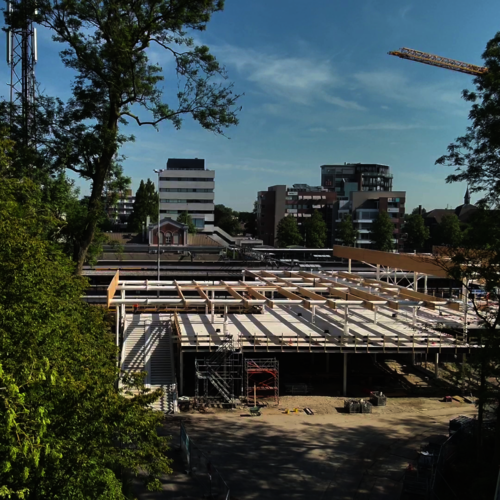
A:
x,y
177,212
188,179
185,190
168,200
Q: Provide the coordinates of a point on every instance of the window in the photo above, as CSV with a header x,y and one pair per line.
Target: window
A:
x,y
199,223
168,238
171,200
188,179
185,190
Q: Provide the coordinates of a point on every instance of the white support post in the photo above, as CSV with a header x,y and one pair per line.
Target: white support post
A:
x,y
414,316
344,377
349,265
264,308
465,298
181,373
213,314
346,320
244,275
206,309
118,360
378,271
225,315
415,281
313,314
425,283
375,314
436,366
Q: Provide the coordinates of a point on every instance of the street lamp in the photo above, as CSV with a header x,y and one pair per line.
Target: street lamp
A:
x,y
158,230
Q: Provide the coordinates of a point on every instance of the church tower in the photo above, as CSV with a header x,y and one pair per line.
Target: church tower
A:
x,y
467,197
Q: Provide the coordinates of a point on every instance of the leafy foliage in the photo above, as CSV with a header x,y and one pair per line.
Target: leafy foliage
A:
x,y
249,219
448,231
315,231
382,232
417,233
106,45
185,218
476,155
227,219
145,205
65,430
288,233
346,232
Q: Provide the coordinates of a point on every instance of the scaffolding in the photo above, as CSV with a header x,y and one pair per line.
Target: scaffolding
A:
x,y
262,378
220,375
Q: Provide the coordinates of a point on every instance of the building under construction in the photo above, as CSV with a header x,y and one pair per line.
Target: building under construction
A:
x,y
228,341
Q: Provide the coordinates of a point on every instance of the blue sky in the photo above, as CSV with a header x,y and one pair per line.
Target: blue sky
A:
x,y
320,88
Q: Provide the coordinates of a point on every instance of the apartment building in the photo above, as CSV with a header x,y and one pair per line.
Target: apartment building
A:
x,y
300,201
351,177
364,207
187,186
120,211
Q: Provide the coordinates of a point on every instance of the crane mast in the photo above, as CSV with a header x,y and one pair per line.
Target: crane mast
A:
x,y
22,58
441,62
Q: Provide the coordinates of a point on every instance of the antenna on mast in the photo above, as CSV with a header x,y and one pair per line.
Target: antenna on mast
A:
x,y
22,57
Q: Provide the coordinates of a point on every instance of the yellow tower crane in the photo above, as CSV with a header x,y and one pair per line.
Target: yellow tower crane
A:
x,y
440,62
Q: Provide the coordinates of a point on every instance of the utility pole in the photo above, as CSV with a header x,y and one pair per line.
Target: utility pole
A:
x,y
158,229
22,57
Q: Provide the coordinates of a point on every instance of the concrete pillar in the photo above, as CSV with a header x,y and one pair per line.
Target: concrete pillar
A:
x,y
348,265
181,374
313,314
436,366
425,283
375,314
213,314
263,308
378,271
414,316
344,376
206,308
415,281
225,314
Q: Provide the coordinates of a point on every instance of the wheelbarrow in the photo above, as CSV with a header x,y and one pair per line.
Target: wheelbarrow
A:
x,y
255,411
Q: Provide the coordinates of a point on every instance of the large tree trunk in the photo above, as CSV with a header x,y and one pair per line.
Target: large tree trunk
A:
x,y
102,168
93,214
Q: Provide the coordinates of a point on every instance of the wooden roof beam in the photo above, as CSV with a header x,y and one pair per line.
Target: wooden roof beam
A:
x,y
258,295
179,292
374,298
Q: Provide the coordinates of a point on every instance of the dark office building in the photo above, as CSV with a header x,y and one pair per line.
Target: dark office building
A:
x,y
351,177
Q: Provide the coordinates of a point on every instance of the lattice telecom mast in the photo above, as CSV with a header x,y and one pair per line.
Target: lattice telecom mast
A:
x,y
22,57
441,62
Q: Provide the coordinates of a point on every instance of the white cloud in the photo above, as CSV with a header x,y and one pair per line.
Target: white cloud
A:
x,y
395,87
302,80
387,126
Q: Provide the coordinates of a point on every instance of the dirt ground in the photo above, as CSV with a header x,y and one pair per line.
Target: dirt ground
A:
x,y
329,455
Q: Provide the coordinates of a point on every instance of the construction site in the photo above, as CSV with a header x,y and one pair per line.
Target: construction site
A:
x,y
289,332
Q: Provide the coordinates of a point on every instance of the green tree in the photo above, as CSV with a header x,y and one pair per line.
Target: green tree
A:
x,y
145,204
346,232
185,218
476,155
288,233
66,431
417,233
315,231
227,219
382,233
249,219
106,45
448,231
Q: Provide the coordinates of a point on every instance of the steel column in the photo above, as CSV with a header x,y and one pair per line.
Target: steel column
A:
x,y
344,377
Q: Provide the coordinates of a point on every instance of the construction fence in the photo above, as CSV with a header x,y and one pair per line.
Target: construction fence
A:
x,y
202,470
